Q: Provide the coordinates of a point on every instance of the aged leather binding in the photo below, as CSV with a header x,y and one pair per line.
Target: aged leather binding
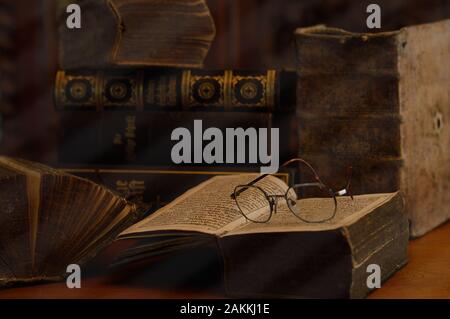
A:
x,y
144,138
381,103
136,32
284,257
175,90
102,120
49,220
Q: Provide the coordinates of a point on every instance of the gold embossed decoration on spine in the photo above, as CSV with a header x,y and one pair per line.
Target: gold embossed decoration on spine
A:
x,y
160,90
174,90
98,85
120,90
59,87
232,90
254,90
140,91
270,89
185,89
76,91
227,89
205,91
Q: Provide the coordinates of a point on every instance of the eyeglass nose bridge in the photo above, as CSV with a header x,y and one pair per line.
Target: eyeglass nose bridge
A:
x,y
273,201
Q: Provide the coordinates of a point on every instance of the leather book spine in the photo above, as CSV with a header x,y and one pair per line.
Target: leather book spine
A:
x,y
175,90
379,102
328,263
144,139
348,108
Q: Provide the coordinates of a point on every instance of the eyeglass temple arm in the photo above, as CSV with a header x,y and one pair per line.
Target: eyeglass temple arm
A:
x,y
338,193
341,192
233,195
346,190
308,184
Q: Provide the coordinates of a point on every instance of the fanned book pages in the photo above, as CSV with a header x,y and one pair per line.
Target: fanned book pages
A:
x,y
175,33
50,220
284,257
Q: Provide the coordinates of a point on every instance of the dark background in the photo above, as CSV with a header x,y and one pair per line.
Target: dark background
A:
x,y
251,34
259,33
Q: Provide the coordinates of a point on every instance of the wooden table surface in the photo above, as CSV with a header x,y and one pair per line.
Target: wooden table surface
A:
x,y
427,275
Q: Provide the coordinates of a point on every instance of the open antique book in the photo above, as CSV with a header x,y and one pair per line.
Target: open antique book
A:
x,y
284,257
49,220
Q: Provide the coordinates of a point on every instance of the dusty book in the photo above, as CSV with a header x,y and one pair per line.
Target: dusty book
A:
x,y
168,89
284,257
49,220
379,102
174,33
145,138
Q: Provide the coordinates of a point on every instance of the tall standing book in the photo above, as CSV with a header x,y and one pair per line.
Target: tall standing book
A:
x,y
380,102
284,257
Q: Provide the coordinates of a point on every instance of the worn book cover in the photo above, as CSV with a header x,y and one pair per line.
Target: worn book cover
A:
x,y
380,102
284,257
136,32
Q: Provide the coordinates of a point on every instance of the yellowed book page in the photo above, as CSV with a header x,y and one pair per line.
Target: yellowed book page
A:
x,y
348,211
207,208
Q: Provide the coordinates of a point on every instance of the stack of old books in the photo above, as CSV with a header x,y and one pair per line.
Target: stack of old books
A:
x,y
358,100
377,102
120,100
